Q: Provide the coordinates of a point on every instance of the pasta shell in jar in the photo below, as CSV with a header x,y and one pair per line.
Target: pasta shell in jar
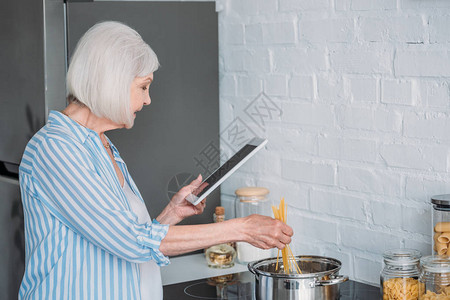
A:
x,y
399,277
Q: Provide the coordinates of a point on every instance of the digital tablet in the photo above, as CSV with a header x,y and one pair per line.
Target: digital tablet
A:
x,y
225,170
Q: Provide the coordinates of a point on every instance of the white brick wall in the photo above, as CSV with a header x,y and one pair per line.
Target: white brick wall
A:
x,y
413,157
326,30
305,171
434,93
308,114
366,239
427,62
397,92
306,5
330,88
364,5
336,204
439,32
347,149
363,89
302,87
394,29
428,125
361,139
386,214
361,60
367,269
298,60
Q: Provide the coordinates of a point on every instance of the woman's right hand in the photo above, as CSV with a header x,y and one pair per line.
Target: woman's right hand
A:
x,y
265,232
260,231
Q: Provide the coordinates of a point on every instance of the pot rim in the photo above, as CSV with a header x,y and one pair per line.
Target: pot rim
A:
x,y
253,267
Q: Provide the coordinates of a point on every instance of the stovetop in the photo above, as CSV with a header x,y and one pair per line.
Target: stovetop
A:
x,y
241,286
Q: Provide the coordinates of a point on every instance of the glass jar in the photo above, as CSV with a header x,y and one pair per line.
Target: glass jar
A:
x,y
399,277
440,221
252,200
434,280
220,256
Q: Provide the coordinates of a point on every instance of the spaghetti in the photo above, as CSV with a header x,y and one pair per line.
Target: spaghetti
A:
x,y
289,262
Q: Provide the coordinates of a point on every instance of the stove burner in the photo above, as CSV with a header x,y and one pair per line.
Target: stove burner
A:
x,y
352,290
221,287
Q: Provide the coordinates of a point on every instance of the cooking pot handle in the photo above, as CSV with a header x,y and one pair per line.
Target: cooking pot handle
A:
x,y
251,269
334,279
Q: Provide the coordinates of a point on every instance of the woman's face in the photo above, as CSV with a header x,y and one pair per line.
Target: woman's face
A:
x,y
139,93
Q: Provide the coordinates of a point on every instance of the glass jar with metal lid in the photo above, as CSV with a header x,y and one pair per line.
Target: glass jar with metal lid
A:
x,y
434,280
399,277
220,256
441,224
252,200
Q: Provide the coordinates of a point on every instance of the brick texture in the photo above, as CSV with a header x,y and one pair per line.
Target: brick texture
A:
x,y
357,114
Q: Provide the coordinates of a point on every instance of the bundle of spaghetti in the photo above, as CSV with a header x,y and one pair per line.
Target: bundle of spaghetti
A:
x,y
289,261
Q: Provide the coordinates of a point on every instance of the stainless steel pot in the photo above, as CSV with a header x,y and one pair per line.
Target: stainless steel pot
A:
x,y
319,279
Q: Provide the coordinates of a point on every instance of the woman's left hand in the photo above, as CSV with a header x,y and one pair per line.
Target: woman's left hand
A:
x,y
179,208
183,207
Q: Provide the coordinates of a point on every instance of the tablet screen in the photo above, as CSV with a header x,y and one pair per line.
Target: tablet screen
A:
x,y
225,168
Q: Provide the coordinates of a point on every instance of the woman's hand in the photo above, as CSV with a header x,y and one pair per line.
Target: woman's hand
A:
x,y
265,232
179,208
184,208
260,231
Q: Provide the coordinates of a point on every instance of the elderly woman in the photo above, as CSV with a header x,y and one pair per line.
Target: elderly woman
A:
x,y
88,232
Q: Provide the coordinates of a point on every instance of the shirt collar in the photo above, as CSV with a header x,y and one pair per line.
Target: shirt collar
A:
x,y
77,131
115,151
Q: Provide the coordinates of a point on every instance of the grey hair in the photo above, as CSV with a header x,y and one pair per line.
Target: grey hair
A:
x,y
107,58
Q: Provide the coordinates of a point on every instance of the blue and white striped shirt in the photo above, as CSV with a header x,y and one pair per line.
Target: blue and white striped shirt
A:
x,y
82,239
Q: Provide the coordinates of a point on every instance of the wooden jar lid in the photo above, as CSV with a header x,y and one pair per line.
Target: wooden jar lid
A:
x,y
252,192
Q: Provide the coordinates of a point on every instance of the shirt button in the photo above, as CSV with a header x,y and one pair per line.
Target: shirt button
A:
x,y
140,238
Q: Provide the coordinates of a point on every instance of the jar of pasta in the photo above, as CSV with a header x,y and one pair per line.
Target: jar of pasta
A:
x,y
399,277
441,224
434,280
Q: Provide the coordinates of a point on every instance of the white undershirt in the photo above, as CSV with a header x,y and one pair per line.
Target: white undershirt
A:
x,y
150,283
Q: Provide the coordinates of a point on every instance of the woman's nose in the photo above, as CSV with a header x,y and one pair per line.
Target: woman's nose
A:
x,y
147,100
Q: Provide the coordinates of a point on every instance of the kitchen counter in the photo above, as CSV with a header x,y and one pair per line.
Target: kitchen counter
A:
x,y
191,267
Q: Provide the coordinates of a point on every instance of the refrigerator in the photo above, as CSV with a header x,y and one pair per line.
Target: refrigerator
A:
x,y
173,140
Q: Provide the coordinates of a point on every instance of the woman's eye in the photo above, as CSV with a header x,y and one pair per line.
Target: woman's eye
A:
x,y
144,88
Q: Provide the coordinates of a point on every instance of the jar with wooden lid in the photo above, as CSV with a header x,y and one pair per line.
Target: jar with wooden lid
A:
x,y
252,200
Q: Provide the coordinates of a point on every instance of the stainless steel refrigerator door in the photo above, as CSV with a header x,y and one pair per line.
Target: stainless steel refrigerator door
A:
x,y
21,77
178,134
12,243
32,60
